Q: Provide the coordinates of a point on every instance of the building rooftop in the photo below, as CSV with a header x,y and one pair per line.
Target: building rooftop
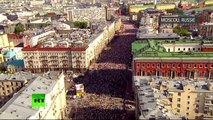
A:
x,y
155,48
74,39
153,94
147,98
20,105
17,63
147,35
10,54
17,76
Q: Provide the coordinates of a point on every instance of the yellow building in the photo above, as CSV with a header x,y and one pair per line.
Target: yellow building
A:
x,y
137,8
10,84
4,42
183,98
1,61
192,101
165,6
208,2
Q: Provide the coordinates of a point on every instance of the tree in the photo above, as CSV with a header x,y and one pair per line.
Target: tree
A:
x,y
19,29
176,11
81,25
181,31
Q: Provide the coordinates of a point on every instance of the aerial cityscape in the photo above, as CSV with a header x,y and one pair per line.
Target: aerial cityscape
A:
x,y
106,59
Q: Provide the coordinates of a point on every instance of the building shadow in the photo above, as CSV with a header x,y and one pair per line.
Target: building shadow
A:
x,y
115,83
93,113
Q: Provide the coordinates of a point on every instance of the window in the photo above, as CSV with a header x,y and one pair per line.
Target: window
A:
x,y
138,65
178,48
178,99
187,114
168,65
198,49
178,105
184,49
147,65
188,102
212,66
173,65
188,49
201,66
162,65
194,49
143,65
158,65
139,73
179,94
143,73
178,74
178,110
162,73
189,65
187,108
195,65
179,65
169,50
153,65
184,65
188,96
206,65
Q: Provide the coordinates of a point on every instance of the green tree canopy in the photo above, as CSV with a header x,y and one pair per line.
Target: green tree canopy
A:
x,y
81,25
181,31
19,28
176,11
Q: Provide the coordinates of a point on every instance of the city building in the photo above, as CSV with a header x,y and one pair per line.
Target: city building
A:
x,y
187,99
151,13
190,22
20,105
15,66
207,16
206,29
86,14
37,2
12,83
191,59
4,42
76,49
146,32
15,39
135,8
148,101
149,28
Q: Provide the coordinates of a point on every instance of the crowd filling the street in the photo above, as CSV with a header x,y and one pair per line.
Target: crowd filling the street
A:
x,y
108,82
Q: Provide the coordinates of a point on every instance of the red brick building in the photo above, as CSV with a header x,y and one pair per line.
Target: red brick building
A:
x,y
172,59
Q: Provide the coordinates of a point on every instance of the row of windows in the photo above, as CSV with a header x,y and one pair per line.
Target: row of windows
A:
x,y
178,74
184,49
173,65
8,84
53,53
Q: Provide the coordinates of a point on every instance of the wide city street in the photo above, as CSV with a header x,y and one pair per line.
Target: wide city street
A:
x,y
108,83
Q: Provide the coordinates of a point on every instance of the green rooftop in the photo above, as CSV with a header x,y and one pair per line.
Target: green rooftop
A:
x,y
155,48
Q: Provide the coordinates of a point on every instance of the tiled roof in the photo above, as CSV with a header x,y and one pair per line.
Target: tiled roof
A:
x,y
17,63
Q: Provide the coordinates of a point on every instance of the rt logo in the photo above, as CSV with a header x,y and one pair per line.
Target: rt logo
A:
x,y
38,100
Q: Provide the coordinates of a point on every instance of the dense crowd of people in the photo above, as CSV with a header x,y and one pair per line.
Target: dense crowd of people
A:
x,y
108,83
